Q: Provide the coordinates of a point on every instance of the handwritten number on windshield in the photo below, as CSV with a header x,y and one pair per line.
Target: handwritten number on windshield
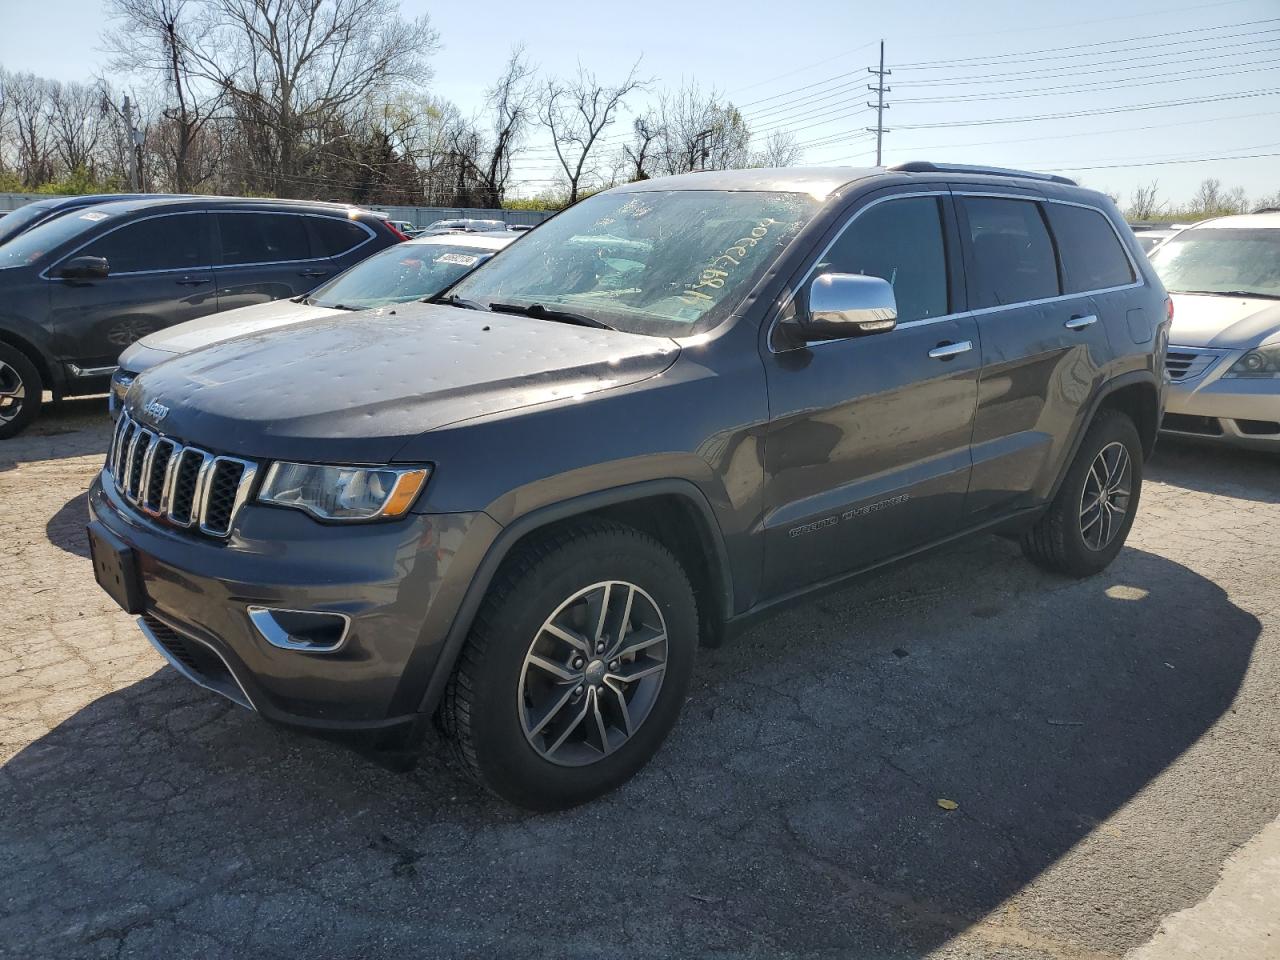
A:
x,y
713,276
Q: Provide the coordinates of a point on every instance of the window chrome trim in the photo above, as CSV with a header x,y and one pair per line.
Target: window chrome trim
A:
x,y
978,311
44,274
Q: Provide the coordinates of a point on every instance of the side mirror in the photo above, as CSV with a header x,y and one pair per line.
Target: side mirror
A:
x,y
848,305
85,268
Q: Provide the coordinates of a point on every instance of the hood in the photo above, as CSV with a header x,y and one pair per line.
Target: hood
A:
x,y
1200,320
216,327
356,388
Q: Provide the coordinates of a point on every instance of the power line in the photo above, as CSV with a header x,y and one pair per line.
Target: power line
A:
x,y
792,73
955,61
1242,95
1156,163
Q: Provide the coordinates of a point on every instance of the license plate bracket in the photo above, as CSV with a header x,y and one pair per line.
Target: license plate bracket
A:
x,y
115,566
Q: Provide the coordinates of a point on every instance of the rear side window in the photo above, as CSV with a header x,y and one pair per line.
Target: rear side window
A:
x,y
263,237
334,237
899,241
157,243
1092,257
1013,259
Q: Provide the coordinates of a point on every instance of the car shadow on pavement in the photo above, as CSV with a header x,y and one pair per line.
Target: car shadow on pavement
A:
x,y
793,812
1213,468
66,528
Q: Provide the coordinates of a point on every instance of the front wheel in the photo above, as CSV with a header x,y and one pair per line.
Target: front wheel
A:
x,y
576,667
1089,519
20,391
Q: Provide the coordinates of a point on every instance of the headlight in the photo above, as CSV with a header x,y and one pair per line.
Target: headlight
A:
x,y
344,493
1263,362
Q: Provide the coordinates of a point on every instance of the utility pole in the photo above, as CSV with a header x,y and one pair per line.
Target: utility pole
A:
x,y
879,106
135,141
701,150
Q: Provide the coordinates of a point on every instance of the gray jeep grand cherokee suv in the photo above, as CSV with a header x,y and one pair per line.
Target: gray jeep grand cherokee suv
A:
x,y
672,407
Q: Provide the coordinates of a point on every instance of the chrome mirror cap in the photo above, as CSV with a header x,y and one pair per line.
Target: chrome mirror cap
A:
x,y
849,305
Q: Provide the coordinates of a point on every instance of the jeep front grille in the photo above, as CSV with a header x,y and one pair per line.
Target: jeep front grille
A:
x,y
182,485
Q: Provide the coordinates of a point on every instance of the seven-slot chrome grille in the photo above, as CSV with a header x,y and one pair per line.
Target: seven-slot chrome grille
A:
x,y
183,485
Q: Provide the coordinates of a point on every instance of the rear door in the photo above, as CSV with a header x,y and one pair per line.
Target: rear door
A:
x,y
1042,349
160,275
264,256
867,452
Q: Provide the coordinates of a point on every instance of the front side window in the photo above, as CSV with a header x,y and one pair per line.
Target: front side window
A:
x,y
669,263
156,243
1092,256
1227,260
1013,257
263,238
407,271
901,242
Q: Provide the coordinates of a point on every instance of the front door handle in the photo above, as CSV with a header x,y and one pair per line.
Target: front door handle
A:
x,y
313,273
1079,323
945,351
190,282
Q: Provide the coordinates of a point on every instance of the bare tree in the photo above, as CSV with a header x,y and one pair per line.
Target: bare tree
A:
x,y
1144,202
644,131
1235,201
28,98
1208,198
510,102
75,124
780,150
698,132
576,112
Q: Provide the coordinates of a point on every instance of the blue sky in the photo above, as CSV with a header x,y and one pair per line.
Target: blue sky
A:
x,y
802,66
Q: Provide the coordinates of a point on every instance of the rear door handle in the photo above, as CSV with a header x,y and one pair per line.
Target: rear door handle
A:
x,y
190,282
945,351
1079,323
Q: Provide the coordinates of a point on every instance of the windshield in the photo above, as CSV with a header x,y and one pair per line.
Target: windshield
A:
x,y
671,264
1221,260
408,271
20,219
29,247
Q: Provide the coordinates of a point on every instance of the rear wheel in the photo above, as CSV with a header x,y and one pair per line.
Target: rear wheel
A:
x,y
576,667
1088,521
20,391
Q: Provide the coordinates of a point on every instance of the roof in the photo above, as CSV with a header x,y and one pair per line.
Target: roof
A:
x,y
819,182
480,241
159,201
1244,221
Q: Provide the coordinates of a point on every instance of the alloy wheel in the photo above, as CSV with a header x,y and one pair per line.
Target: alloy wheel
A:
x,y
13,393
593,673
1104,502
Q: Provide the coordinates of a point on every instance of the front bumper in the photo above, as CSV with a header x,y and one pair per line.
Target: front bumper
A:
x,y
1238,411
399,583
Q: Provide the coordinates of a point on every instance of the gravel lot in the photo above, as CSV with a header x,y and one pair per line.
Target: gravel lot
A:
x,y
1109,744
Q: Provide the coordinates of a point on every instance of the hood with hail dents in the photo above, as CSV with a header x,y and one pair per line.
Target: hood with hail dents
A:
x,y
1201,320
356,387
233,323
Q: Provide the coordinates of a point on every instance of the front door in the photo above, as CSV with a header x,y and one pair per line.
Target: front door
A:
x,y
159,275
867,453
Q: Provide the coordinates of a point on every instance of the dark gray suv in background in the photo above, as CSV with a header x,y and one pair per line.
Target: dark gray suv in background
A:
x,y
671,408
77,289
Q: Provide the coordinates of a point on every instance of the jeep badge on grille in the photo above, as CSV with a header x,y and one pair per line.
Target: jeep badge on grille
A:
x,y
156,410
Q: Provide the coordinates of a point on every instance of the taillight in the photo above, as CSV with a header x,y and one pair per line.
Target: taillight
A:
x,y
404,236
1168,304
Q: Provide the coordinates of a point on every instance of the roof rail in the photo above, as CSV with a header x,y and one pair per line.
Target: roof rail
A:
x,y
926,166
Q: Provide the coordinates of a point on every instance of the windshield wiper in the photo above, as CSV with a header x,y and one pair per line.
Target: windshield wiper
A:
x,y
453,300
1233,293
539,312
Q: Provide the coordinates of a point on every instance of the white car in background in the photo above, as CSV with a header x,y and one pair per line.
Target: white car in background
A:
x,y
1224,344
414,270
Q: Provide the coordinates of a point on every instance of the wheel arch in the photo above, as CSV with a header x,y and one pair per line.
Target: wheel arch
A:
x,y
1135,394
49,370
675,512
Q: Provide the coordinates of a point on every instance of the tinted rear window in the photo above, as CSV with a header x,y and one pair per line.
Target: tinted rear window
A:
x,y
1092,257
263,237
334,237
1013,256
157,243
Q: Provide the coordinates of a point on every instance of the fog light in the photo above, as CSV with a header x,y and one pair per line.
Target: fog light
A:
x,y
307,630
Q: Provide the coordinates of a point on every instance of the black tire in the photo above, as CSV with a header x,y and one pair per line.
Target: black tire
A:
x,y
17,371
1057,542
486,704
